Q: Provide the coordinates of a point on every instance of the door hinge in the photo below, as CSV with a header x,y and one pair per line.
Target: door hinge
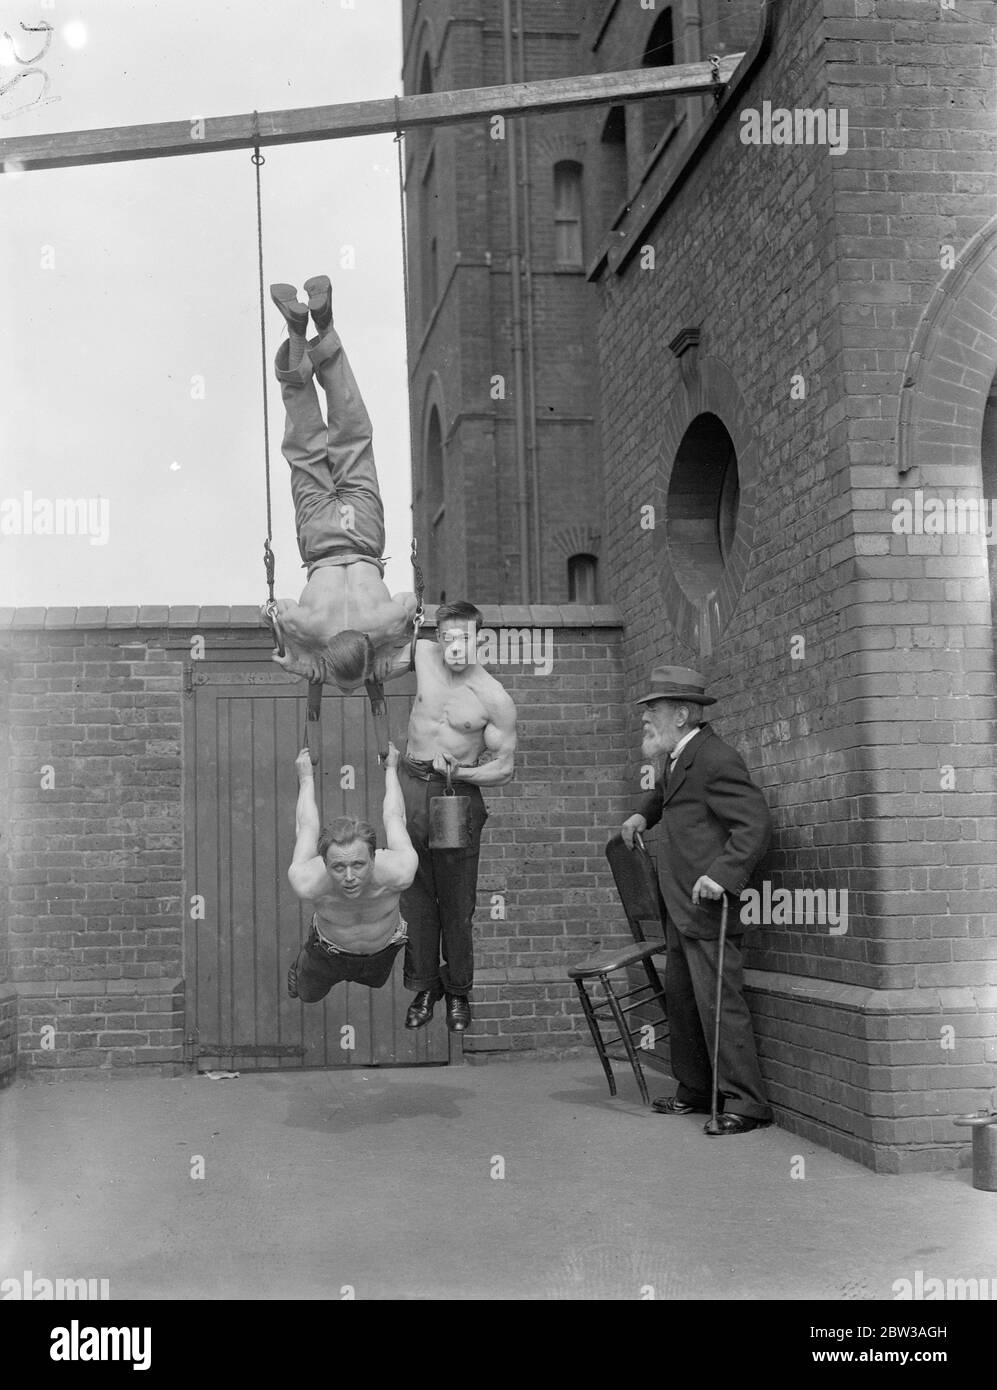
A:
x,y
213,1049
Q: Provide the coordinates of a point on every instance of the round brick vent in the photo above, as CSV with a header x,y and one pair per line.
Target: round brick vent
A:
x,y
704,504
702,507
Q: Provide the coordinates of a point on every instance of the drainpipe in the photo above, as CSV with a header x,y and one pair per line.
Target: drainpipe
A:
x,y
531,356
689,48
515,271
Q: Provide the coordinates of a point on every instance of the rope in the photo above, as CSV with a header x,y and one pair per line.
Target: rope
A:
x,y
420,583
269,559
399,142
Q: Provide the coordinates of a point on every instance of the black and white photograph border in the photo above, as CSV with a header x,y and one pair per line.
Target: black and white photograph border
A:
x,y
407,876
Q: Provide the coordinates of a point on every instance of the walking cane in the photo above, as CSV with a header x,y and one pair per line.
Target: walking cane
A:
x,y
713,1125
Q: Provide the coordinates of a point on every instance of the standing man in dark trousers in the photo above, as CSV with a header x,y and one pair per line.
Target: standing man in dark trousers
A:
x,y
462,720
715,828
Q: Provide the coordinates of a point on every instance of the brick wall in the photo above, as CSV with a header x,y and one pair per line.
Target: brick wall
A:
x,y
8,995
543,848
793,262
94,855
94,928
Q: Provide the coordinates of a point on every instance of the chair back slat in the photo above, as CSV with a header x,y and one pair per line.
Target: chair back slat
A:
x,y
636,880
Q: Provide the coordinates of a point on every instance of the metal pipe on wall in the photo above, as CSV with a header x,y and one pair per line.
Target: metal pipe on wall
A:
x,y
515,271
533,452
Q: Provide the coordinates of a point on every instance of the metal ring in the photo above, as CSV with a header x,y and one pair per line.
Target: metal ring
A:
x,y
258,158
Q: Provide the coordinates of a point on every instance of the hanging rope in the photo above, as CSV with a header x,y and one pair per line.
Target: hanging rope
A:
x,y
399,142
420,583
269,559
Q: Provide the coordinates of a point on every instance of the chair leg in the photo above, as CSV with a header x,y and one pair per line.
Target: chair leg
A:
x,y
654,980
627,1041
600,1046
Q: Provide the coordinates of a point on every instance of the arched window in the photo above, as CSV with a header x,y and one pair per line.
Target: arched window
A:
x,y
988,452
613,150
658,112
568,248
425,75
434,462
436,563
582,574
429,270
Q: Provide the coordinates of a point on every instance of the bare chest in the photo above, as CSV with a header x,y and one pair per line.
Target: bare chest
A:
x,y
461,709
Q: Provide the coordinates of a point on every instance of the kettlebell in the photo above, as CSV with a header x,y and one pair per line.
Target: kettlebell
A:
x,y
449,819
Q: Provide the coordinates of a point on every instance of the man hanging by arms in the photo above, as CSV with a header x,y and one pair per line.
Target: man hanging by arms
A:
x,y
356,928
346,627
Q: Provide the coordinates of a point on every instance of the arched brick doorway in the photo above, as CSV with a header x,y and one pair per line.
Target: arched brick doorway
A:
x,y
947,424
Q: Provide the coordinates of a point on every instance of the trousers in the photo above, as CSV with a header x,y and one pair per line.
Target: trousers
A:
x,y
338,513
319,967
690,1000
439,906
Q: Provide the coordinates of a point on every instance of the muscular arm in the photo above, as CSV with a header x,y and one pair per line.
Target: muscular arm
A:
x,y
500,742
298,621
394,656
307,871
399,858
393,664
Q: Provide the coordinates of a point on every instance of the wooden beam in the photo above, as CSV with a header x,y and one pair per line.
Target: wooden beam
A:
x,y
194,136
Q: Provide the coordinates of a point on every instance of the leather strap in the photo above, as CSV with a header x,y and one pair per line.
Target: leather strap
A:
x,y
313,724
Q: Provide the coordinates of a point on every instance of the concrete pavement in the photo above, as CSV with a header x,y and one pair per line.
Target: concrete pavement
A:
x,y
389,1183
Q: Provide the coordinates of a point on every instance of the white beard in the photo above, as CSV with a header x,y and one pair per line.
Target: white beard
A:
x,y
652,746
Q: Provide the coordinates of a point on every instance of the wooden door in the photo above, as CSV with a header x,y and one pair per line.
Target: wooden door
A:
x,y
244,727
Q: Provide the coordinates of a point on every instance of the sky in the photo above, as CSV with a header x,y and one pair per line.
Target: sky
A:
x,y
130,366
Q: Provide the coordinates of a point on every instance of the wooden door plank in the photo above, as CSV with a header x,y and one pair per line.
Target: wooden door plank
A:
x,y
222,874
264,847
241,855
315,1020
291,922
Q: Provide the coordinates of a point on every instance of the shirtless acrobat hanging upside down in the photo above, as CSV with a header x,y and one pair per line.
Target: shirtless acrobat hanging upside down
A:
x,y
347,627
356,929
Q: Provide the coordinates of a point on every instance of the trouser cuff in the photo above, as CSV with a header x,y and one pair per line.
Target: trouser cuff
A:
x,y
321,349
298,375
419,986
749,1111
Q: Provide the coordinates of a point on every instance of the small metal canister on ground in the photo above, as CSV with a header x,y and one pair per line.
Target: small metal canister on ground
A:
x,y
449,819
984,1127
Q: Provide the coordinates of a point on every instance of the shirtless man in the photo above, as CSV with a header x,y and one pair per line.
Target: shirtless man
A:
x,y
462,718
356,930
346,627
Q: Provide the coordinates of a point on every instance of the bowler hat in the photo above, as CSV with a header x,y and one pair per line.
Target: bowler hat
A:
x,y
677,683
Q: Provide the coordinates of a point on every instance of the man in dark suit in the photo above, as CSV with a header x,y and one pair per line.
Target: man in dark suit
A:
x,y
715,828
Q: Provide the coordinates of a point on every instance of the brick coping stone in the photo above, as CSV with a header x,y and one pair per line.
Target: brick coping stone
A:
x,y
568,615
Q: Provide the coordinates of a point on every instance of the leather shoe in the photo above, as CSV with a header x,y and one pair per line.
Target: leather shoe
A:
x,y
420,1011
458,1012
295,313
732,1123
670,1105
319,292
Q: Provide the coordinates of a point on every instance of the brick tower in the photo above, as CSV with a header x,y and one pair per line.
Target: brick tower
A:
x,y
503,218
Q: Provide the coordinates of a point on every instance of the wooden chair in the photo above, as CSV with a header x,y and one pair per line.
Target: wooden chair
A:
x,y
637,884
